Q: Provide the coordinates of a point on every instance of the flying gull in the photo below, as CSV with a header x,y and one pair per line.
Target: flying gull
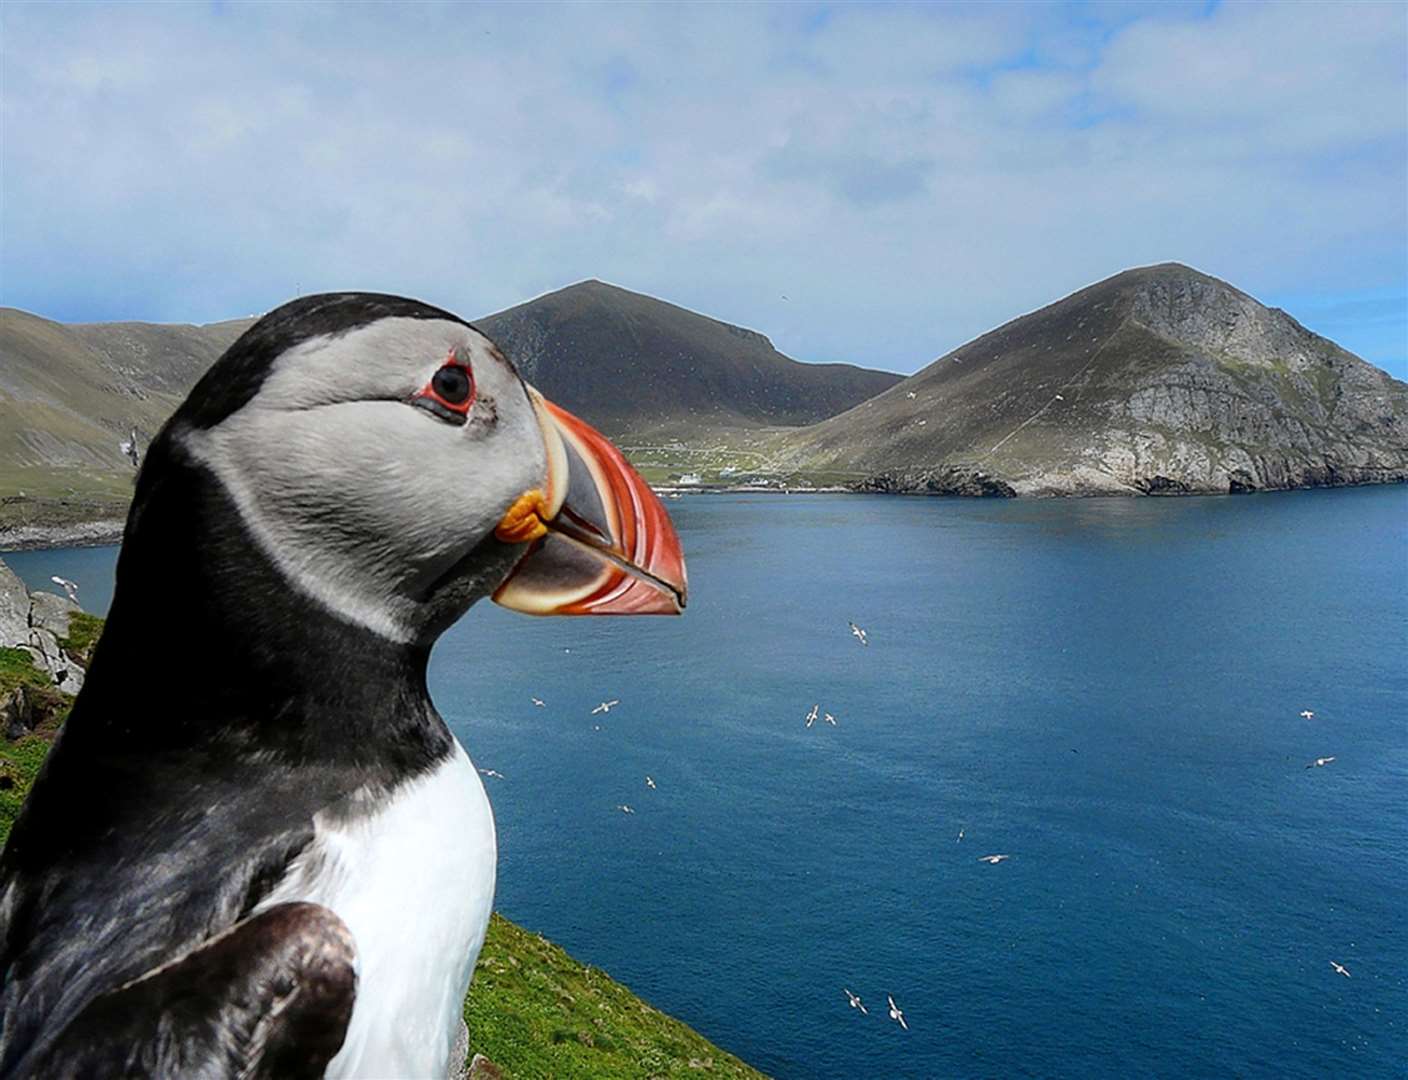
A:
x,y
1340,968
605,707
130,450
811,716
858,633
1320,762
993,859
856,1002
68,586
895,1013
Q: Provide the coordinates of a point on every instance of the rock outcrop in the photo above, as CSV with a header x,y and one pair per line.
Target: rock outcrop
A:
x,y
38,623
1160,380
953,480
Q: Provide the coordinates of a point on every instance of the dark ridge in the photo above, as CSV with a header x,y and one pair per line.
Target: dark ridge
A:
x,y
632,363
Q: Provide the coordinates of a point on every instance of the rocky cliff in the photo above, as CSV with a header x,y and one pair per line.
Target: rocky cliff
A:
x,y
1158,380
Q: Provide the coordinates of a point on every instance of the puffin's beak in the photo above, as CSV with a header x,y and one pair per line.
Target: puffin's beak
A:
x,y
602,542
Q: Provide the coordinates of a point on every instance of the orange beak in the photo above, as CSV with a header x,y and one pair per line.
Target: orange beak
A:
x,y
601,541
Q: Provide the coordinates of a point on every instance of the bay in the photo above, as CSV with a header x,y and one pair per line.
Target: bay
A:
x,y
1105,690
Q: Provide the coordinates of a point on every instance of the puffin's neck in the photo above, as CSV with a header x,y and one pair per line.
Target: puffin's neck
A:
x,y
208,648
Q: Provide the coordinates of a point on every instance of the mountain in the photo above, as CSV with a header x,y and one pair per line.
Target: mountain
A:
x,y
70,394
1157,380
632,364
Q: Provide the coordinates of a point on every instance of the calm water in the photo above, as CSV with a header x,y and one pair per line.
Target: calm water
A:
x,y
1107,690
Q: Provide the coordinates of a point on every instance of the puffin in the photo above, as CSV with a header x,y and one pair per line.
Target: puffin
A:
x,y
256,849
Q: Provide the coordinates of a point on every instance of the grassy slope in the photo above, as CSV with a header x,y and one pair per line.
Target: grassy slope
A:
x,y
532,1010
536,1012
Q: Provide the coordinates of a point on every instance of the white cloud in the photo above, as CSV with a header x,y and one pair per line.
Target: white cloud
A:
x,y
907,176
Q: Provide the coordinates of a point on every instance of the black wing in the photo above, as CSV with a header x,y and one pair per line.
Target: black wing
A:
x,y
271,997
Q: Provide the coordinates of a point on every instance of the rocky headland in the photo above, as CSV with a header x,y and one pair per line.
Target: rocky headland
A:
x,y
1160,380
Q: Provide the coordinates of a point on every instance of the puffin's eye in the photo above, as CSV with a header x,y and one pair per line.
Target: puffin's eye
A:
x,y
452,384
449,393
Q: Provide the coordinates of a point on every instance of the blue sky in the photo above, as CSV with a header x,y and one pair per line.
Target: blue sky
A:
x,y
869,183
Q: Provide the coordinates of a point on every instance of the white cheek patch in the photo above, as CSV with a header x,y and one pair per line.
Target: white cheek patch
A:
x,y
360,502
307,548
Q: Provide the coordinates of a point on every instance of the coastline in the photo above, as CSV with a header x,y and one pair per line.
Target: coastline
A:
x,y
1016,491
80,534
109,531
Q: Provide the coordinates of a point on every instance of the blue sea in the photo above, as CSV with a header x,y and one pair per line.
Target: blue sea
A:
x,y
1106,690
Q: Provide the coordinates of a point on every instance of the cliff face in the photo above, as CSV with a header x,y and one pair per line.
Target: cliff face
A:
x,y
1157,380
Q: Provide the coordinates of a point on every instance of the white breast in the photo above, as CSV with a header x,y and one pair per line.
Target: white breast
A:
x,y
415,884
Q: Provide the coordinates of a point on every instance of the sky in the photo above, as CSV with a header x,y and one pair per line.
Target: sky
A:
x,y
869,183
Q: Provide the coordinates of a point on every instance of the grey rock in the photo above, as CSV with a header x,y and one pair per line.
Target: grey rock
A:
x,y
955,480
14,608
481,1068
16,713
44,648
50,612
1158,380
82,534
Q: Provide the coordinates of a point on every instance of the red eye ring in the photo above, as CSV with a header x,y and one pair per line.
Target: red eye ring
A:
x,y
450,393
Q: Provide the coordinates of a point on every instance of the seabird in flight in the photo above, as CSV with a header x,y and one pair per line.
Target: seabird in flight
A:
x,y
285,861
895,1013
1320,762
1307,714
993,859
68,586
858,633
130,449
605,707
1340,968
811,716
855,1001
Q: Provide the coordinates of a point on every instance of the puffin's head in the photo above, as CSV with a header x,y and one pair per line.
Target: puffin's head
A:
x,y
391,463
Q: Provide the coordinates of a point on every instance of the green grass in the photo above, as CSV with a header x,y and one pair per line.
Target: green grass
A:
x,y
20,759
536,1012
532,1009
19,765
17,669
83,631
